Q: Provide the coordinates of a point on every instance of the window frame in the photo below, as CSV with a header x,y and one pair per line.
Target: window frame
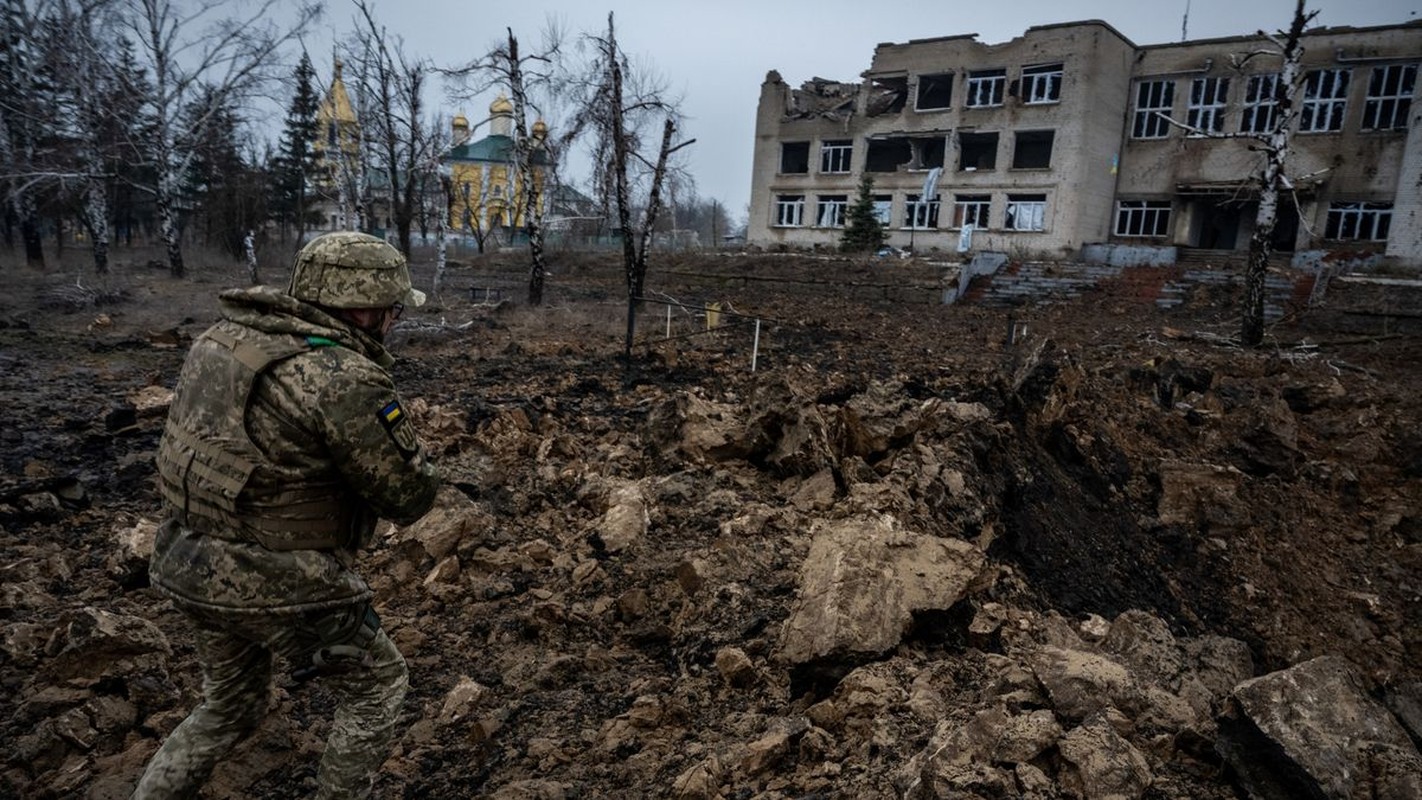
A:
x,y
1333,108
836,150
1378,216
1139,212
1260,97
912,206
1208,100
1012,215
827,202
1146,121
795,203
1034,138
977,206
992,82
780,165
1398,104
1034,75
918,91
883,208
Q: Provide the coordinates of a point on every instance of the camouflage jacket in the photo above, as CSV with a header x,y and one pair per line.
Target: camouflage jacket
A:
x,y
285,443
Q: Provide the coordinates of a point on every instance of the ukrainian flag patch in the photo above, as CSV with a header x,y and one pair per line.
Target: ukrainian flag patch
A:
x,y
392,413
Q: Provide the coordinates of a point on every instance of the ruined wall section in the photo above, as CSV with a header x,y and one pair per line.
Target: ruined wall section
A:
x,y
1405,243
1350,164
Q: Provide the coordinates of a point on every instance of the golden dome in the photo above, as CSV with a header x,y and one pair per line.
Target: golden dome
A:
x,y
501,106
540,129
460,121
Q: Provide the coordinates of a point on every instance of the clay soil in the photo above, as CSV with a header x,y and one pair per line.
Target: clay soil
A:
x,y
548,660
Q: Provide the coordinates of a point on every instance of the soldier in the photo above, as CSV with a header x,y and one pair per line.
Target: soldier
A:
x,y
285,443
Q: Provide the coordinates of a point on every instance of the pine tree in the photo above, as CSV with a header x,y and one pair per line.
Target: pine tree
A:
x,y
863,232
295,163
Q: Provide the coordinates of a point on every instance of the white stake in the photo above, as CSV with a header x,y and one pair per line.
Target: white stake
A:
x,y
668,322
755,348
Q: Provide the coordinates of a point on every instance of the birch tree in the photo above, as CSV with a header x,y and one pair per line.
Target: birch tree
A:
x,y
22,119
191,53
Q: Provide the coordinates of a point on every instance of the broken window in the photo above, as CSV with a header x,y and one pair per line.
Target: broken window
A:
x,y
1389,97
1361,222
886,95
1207,104
1325,100
885,155
985,87
1154,101
835,155
971,209
1261,107
1042,84
789,210
794,158
921,215
977,151
1025,212
928,152
1033,150
934,92
1142,217
883,208
830,211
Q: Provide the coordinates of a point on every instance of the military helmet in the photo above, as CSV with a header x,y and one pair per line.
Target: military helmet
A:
x,y
346,269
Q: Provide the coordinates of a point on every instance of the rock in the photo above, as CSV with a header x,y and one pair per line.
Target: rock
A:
x,y
735,666
699,429
93,643
446,571
862,581
1191,493
1081,684
461,700
691,575
1312,731
1103,766
815,493
766,752
531,790
1144,644
1218,663
150,401
701,781
1094,628
625,521
1405,702
454,521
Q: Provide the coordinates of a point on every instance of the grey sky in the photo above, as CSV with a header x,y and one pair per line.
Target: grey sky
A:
x,y
716,52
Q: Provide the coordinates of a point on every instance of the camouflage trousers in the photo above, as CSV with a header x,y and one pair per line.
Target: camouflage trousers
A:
x,y
236,653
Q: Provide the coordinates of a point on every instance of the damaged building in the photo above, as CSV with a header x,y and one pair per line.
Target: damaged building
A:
x,y
1072,135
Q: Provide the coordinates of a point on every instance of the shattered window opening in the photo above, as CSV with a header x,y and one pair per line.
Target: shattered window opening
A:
x,y
1207,104
883,208
1261,105
1154,101
887,155
887,96
1026,212
1142,217
835,155
830,211
921,215
1359,222
985,87
1325,101
934,92
1042,84
794,158
971,209
789,210
1389,97
977,151
928,152
1033,150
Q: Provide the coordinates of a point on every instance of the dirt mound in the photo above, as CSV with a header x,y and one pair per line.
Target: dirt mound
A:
x,y
901,558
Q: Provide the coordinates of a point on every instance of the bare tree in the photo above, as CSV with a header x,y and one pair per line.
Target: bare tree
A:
x,y
23,119
1272,142
525,76
617,109
190,55
391,86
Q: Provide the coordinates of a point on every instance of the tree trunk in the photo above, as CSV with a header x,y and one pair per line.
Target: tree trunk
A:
x,y
249,246
446,194
168,228
654,206
96,217
30,232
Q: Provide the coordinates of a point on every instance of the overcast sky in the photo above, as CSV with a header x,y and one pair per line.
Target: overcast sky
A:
x,y
715,53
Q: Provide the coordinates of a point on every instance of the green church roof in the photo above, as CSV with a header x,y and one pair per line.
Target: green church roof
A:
x,y
496,149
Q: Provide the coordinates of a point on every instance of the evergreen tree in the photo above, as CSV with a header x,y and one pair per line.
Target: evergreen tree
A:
x,y
295,163
863,232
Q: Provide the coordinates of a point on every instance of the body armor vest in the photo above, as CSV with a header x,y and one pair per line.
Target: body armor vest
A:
x,y
217,481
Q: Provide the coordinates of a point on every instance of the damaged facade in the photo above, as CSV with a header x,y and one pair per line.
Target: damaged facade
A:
x,y
1051,141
